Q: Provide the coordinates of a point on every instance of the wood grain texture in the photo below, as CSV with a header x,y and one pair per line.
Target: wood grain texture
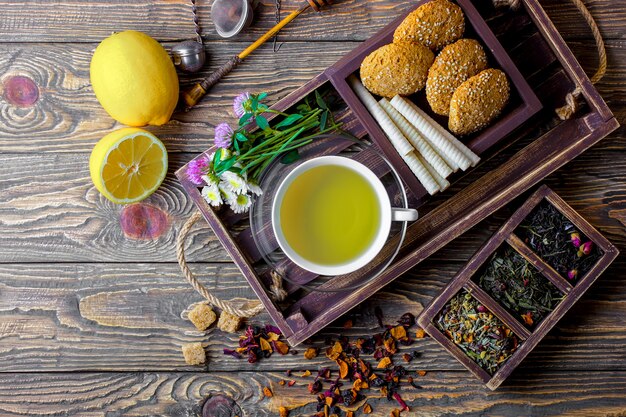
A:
x,y
126,317
182,394
51,211
171,20
68,118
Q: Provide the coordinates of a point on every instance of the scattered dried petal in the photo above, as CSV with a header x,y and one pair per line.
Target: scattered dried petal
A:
x,y
367,409
267,392
398,332
283,411
528,318
401,402
281,347
343,369
420,333
407,357
407,320
349,413
305,373
281,382
384,363
310,353
291,383
395,413
265,345
422,373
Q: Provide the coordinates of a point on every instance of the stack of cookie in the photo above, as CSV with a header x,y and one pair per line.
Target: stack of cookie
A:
x,y
458,82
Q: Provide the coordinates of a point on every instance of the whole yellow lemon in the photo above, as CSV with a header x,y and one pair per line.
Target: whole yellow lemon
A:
x,y
134,79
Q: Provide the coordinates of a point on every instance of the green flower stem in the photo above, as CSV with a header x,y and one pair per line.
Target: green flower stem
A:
x,y
263,146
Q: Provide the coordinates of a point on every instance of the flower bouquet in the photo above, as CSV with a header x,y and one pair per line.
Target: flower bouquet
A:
x,y
231,174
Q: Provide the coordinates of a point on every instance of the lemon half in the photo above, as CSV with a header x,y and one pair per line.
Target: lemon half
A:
x,y
128,165
134,79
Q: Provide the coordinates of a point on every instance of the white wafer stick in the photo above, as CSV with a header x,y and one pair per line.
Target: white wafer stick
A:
x,y
441,181
428,130
416,139
421,172
396,137
457,143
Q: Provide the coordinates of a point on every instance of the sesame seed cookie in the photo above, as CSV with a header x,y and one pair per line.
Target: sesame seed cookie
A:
x,y
478,101
397,68
434,24
454,64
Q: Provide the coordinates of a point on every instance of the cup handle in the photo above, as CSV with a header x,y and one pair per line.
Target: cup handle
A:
x,y
403,214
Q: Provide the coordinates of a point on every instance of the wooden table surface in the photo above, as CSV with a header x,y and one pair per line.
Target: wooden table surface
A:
x,y
90,310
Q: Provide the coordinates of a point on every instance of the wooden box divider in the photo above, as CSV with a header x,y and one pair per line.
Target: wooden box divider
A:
x,y
549,70
506,236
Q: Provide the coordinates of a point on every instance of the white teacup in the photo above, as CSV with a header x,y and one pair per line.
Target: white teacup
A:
x,y
387,215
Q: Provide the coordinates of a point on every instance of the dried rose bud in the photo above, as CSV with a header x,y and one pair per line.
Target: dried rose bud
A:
x,y
585,248
481,309
572,274
575,238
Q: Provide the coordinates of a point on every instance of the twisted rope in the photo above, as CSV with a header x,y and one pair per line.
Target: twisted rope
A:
x,y
201,289
571,99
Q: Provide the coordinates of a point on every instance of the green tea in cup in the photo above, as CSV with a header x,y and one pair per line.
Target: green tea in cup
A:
x,y
332,215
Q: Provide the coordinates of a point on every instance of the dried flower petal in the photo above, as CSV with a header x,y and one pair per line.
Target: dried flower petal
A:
x,y
281,347
291,383
384,363
306,373
398,332
401,402
367,409
283,411
572,274
585,248
421,373
267,392
528,318
420,333
343,368
310,353
281,382
395,413
265,345
407,320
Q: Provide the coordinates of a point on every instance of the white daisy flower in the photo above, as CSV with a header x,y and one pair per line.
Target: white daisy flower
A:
x,y
241,203
227,194
211,194
233,182
254,188
211,179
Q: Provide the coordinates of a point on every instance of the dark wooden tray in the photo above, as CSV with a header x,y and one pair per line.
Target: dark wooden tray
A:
x,y
522,105
506,236
551,71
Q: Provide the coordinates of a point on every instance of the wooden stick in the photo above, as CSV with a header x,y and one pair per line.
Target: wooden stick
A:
x,y
194,94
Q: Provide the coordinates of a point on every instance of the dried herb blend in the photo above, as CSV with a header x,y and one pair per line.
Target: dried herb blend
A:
x,y
558,242
337,388
477,331
519,287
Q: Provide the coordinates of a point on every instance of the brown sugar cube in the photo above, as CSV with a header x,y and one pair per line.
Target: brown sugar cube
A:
x,y
228,322
202,316
194,353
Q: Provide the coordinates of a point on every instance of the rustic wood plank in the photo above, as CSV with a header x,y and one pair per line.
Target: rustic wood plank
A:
x,y
126,317
52,212
171,20
183,394
67,117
